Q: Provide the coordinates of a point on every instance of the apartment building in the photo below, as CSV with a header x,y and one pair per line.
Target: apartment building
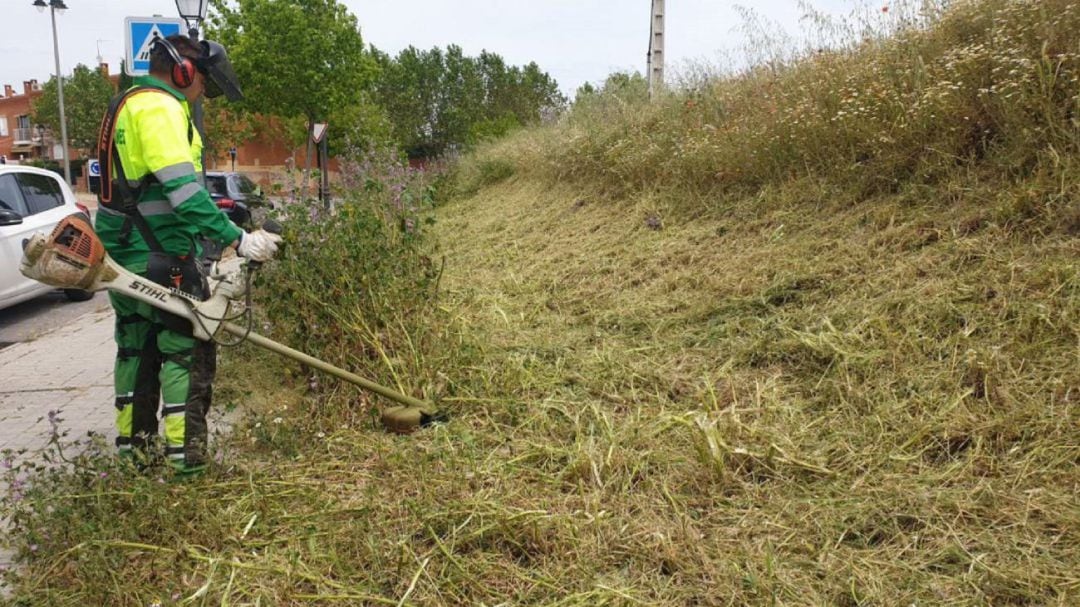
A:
x,y
20,139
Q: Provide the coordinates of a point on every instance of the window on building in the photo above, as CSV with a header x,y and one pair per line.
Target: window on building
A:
x,y
23,131
11,196
41,192
3,126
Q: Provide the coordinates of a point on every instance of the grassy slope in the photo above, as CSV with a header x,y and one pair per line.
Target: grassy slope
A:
x,y
842,370
788,397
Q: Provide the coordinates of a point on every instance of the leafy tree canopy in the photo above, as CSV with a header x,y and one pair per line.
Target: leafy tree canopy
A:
x,y
440,99
307,58
86,97
294,57
225,126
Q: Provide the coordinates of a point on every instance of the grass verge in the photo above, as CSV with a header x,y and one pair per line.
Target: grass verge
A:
x,y
794,389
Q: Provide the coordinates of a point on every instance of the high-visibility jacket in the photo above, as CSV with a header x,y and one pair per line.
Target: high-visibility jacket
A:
x,y
155,139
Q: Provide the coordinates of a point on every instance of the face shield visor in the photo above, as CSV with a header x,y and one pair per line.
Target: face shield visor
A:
x,y
220,77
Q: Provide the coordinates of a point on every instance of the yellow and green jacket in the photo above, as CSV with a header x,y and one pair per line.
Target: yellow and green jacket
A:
x,y
155,138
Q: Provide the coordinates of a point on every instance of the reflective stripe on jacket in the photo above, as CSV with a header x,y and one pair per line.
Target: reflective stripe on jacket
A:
x,y
152,138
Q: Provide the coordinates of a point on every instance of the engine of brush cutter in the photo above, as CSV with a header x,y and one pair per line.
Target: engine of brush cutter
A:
x,y
71,257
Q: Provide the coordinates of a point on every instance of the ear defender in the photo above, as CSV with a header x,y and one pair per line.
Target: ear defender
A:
x,y
183,70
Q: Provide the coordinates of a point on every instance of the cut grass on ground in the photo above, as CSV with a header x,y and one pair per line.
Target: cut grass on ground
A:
x,y
843,370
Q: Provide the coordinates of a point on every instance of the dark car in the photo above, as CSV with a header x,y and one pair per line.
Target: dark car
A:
x,y
235,194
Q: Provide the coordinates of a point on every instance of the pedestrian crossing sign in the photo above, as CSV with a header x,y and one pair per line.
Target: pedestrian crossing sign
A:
x,y
139,34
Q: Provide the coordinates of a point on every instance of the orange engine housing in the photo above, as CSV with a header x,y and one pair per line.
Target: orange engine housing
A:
x,y
71,257
74,239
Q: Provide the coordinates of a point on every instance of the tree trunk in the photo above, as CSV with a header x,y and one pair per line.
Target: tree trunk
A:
x,y
308,157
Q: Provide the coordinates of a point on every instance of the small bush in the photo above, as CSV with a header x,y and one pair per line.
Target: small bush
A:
x,y
352,280
470,177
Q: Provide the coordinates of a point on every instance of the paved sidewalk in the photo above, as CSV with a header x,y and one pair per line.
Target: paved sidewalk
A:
x,y
68,370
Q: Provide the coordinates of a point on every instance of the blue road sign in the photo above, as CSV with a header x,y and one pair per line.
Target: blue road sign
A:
x,y
139,34
93,168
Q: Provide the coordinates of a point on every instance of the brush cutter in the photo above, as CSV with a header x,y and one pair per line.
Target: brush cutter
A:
x,y
72,257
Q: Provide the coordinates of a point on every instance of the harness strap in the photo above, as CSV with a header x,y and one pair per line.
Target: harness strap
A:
x,y
128,352
109,160
108,154
123,401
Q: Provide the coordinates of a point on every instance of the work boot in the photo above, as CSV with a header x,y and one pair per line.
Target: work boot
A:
x,y
183,471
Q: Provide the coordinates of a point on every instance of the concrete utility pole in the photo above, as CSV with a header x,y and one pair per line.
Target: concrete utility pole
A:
x,y
656,48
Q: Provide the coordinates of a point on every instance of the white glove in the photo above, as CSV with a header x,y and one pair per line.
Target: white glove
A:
x,y
259,245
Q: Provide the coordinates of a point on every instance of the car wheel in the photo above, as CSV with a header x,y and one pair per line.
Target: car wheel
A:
x,y
78,295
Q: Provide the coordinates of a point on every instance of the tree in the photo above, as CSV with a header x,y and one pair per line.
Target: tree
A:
x,y
537,95
125,80
623,87
86,98
407,89
295,57
437,100
460,99
225,126
361,127
585,92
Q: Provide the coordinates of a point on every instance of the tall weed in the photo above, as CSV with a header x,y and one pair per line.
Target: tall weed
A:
x,y
354,283
912,95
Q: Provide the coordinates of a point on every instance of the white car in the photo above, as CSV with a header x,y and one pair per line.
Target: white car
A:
x,y
31,200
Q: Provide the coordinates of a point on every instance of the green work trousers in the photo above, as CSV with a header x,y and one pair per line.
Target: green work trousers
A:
x,y
155,365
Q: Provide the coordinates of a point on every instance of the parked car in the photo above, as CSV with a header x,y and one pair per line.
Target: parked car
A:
x,y
235,194
31,200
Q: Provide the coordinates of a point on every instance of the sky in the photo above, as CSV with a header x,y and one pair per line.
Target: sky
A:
x,y
575,41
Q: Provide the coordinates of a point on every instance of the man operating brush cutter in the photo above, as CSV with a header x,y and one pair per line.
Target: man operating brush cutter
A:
x,y
74,257
153,213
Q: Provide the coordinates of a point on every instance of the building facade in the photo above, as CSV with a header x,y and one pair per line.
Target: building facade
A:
x,y
20,138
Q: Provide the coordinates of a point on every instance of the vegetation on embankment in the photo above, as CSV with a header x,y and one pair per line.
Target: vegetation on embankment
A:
x,y
672,383
988,85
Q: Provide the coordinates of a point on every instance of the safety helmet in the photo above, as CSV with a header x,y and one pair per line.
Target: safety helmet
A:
x,y
220,77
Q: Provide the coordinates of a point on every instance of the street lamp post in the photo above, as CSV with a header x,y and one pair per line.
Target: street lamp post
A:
x,y
194,12
53,6
41,139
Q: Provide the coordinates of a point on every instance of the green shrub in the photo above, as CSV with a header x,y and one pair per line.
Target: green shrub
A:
x,y
353,283
469,177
